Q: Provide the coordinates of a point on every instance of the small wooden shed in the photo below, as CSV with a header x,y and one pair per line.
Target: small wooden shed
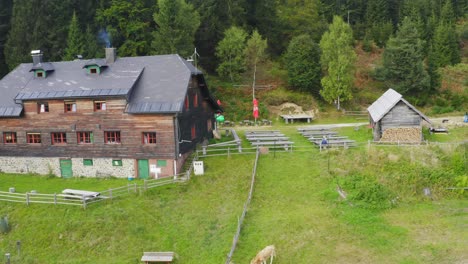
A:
x,y
394,119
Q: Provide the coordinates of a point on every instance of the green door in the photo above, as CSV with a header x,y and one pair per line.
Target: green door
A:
x,y
66,168
143,169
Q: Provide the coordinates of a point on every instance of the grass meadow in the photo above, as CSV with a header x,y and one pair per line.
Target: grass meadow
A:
x,y
386,218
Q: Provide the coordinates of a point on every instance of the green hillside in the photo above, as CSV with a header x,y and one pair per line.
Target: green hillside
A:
x,y
385,219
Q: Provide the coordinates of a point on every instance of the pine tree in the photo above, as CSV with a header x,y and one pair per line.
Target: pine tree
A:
x,y
303,64
5,15
177,23
129,24
74,41
403,61
337,60
91,48
230,52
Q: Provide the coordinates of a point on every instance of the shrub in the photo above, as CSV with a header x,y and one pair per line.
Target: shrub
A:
x,y
366,192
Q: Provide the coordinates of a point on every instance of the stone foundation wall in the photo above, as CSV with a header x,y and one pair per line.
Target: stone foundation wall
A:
x,y
102,167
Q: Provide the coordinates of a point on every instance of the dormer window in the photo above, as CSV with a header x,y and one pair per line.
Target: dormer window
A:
x,y
95,66
40,73
93,69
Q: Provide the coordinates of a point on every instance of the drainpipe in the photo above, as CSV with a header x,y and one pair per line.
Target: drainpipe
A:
x,y
176,142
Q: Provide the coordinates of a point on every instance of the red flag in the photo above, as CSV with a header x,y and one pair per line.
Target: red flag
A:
x,y
255,108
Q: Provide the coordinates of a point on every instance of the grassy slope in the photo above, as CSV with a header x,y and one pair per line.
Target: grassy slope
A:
x,y
295,207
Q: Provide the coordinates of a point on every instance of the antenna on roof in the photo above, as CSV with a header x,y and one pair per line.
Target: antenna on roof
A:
x,y
193,58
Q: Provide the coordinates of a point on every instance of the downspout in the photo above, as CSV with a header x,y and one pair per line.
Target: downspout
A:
x,y
176,142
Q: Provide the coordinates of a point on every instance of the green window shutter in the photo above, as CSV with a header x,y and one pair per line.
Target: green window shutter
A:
x,y
162,163
91,137
88,162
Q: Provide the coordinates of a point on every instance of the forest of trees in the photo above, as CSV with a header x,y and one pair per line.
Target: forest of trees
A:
x,y
311,39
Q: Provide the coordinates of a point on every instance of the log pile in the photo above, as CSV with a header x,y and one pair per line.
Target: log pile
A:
x,y
401,134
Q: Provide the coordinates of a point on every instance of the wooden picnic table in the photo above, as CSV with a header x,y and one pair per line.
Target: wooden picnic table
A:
x,y
291,118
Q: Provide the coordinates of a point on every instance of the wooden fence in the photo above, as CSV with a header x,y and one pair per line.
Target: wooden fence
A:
x,y
244,212
67,199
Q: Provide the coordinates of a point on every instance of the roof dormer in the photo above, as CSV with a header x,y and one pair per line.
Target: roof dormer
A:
x,y
40,68
95,66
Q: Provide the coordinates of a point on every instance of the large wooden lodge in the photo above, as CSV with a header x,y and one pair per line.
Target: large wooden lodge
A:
x,y
118,116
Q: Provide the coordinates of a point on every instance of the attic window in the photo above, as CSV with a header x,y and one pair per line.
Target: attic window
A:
x,y
94,69
40,73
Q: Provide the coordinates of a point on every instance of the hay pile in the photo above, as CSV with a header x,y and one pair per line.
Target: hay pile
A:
x,y
401,134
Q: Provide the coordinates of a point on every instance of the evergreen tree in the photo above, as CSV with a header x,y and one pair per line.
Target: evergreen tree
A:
x,y
303,64
300,17
216,16
177,23
230,52
379,25
255,54
74,41
37,25
5,16
129,24
403,61
337,59
91,48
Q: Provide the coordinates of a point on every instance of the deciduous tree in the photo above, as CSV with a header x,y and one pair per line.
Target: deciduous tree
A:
x,y
337,60
254,54
230,52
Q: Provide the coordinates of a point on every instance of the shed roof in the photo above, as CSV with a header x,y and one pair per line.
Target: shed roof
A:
x,y
386,102
151,84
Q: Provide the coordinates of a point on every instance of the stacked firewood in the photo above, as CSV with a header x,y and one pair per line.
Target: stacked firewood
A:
x,y
401,134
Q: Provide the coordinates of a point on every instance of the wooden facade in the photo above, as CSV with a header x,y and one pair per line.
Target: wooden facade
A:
x,y
101,127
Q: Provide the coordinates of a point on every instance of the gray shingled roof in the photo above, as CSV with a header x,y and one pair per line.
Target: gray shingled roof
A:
x,y
152,84
386,102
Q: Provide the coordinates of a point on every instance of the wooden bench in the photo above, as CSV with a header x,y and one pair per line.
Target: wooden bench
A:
x,y
319,133
157,257
248,132
276,144
264,135
268,138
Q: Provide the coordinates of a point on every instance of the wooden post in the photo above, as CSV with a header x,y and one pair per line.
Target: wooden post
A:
x,y
55,198
110,194
135,186
229,152
84,201
144,185
27,198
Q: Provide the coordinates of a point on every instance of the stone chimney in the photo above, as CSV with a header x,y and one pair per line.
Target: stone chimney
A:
x,y
111,55
36,56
